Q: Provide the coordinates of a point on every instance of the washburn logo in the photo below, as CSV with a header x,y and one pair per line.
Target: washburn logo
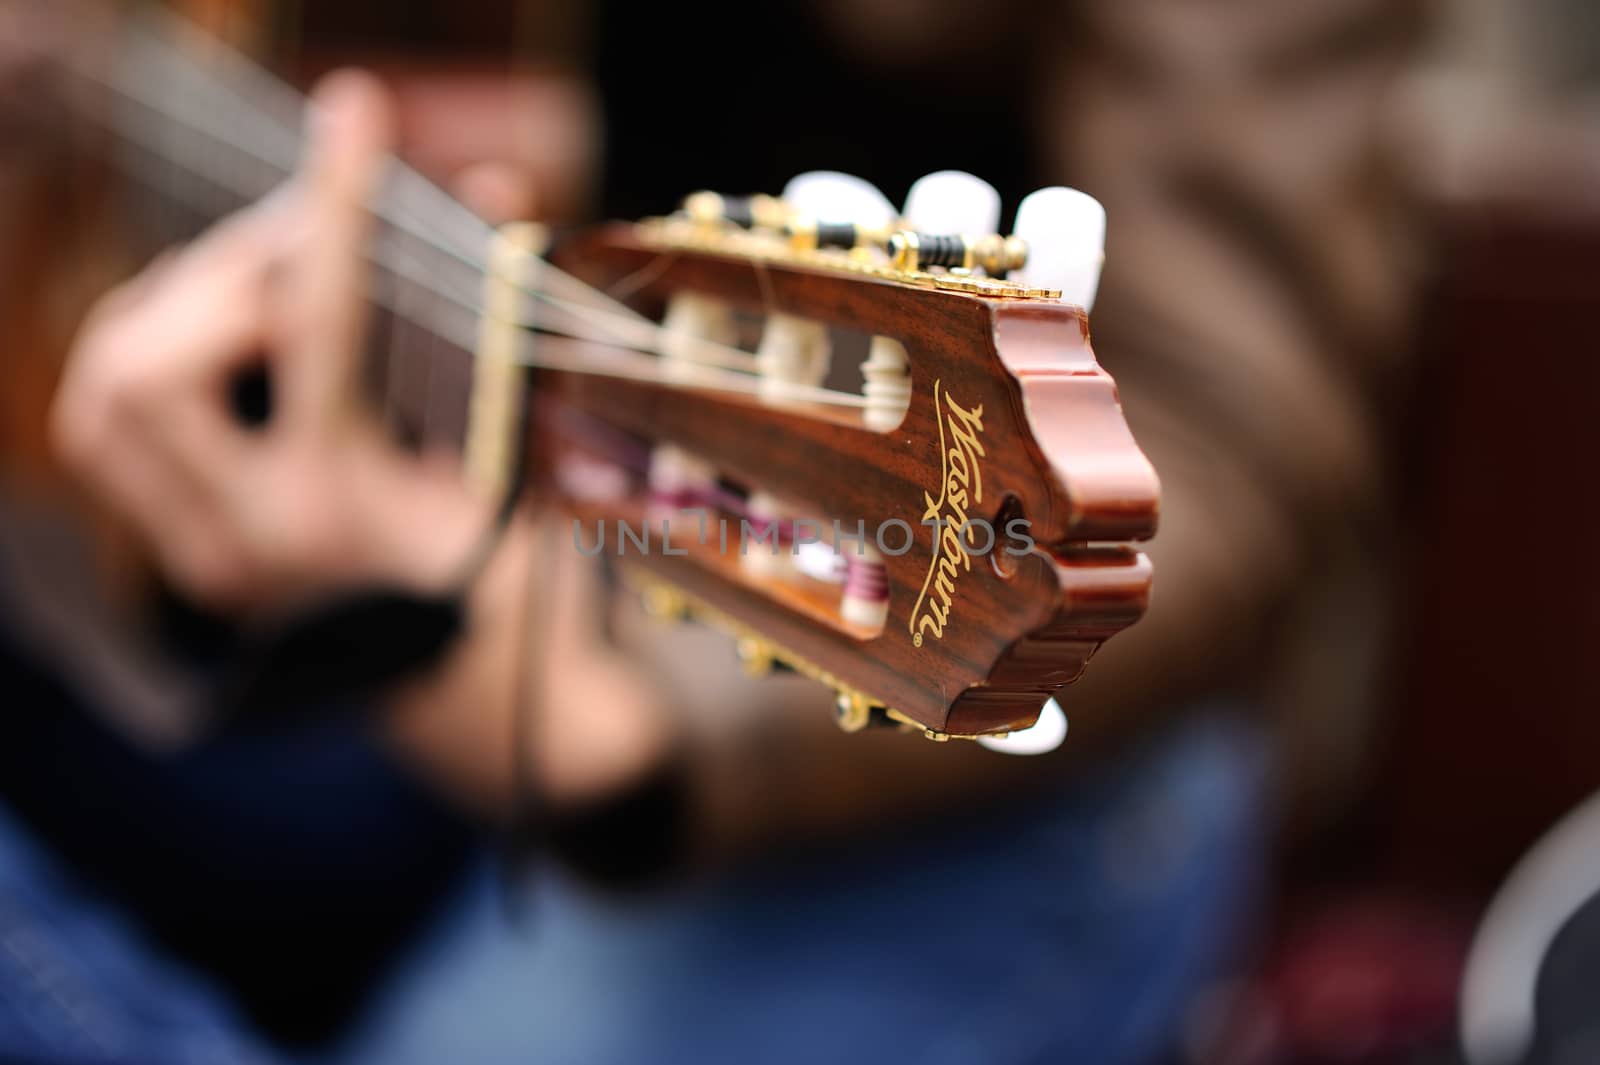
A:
x,y
960,487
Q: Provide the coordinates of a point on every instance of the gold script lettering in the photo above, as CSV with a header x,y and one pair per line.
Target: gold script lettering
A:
x,y
960,488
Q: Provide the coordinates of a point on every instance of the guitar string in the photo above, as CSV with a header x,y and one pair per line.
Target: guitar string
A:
x,y
163,42
636,333
279,109
405,201
619,323
540,347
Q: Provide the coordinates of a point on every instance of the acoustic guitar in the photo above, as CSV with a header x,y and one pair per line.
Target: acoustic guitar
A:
x,y
873,444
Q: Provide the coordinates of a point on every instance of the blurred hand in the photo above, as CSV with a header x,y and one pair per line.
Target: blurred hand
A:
x,y
256,517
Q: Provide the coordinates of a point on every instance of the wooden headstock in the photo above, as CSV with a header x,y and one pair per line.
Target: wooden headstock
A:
x,y
1010,420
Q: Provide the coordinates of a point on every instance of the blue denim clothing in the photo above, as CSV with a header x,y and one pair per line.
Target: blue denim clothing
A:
x,y
1078,932
78,986
247,855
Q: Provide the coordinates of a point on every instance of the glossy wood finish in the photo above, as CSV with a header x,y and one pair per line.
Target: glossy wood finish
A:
x,y
1056,452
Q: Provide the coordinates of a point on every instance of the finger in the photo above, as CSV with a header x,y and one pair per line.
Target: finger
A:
x,y
204,543
324,287
252,235
191,335
167,456
137,482
161,362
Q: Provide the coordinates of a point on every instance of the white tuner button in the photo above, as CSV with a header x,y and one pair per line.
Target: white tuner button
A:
x,y
1044,736
953,202
831,197
1066,234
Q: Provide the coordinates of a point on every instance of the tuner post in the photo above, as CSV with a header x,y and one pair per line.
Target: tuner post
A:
x,y
1000,255
808,235
712,209
851,711
756,656
912,251
663,602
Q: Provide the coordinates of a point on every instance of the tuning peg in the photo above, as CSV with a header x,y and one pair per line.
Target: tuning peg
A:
x,y
795,351
1066,233
833,210
664,602
707,208
853,711
953,201
756,656
1044,736
952,218
827,196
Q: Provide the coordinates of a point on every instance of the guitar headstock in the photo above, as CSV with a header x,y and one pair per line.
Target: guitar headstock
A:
x,y
947,543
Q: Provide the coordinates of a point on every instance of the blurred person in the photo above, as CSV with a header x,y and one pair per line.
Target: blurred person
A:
x,y
282,867
254,519
1254,309
916,903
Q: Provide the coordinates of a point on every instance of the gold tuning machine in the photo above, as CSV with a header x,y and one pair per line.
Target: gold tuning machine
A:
x,y
999,255
756,656
851,711
807,235
703,208
855,712
911,251
663,602
713,209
